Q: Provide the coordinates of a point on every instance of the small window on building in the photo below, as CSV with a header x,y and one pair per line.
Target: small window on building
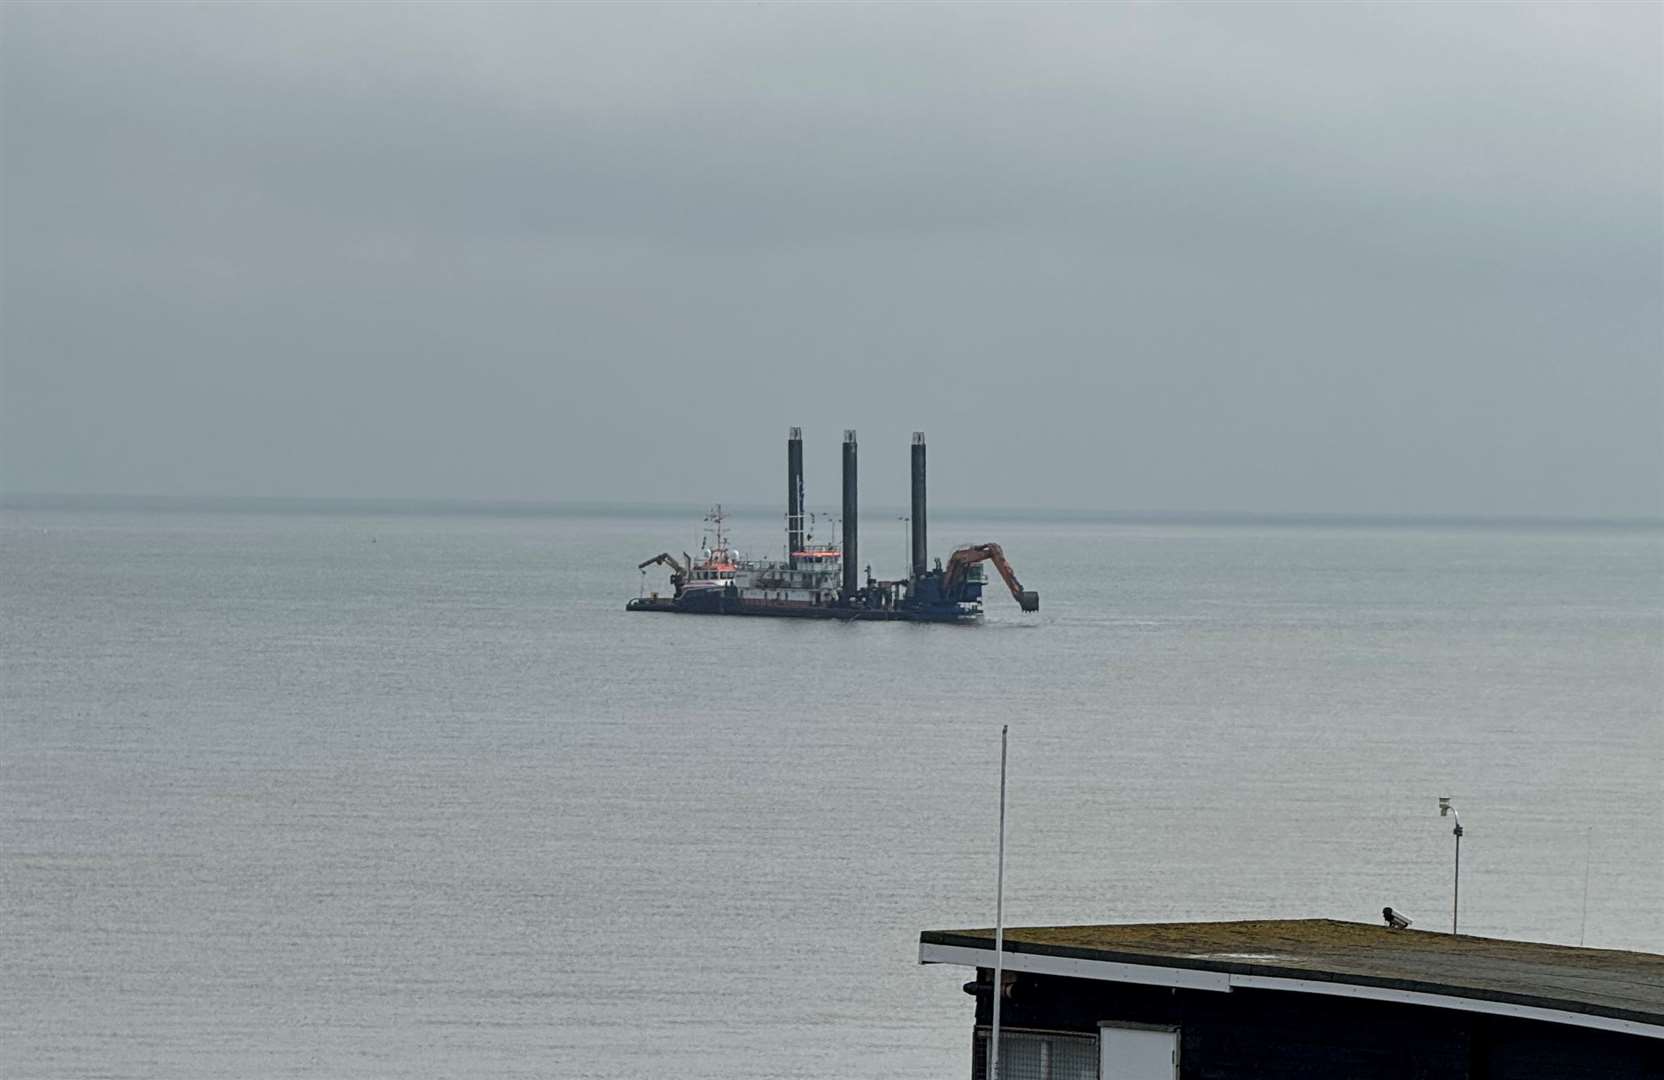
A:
x,y
1037,1055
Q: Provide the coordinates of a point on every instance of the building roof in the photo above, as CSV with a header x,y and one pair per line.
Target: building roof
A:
x,y
1590,987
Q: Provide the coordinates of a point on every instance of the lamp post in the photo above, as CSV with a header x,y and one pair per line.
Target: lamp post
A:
x,y
1456,883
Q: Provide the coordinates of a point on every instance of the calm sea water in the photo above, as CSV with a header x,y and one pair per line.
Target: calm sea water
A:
x,y
332,794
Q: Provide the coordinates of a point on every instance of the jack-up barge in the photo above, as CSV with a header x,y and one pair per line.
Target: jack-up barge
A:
x,y
819,581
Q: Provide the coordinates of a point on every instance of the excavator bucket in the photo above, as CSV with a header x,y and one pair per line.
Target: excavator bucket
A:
x,y
967,557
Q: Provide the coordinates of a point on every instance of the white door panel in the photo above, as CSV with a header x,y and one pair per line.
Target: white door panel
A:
x,y
1129,1053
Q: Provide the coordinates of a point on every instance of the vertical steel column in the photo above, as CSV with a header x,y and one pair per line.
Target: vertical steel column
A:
x,y
794,494
921,544
851,556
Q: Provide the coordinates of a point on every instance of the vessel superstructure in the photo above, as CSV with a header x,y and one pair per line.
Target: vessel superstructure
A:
x,y
817,580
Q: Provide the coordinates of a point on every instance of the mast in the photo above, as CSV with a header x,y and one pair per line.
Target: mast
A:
x,y
794,494
852,566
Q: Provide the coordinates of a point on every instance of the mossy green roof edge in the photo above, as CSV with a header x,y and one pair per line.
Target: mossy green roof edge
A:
x,y
1599,982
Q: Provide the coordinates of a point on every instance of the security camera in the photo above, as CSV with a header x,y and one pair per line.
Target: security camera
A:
x,y
1394,919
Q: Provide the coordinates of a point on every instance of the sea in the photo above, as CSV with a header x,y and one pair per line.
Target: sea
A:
x,y
367,790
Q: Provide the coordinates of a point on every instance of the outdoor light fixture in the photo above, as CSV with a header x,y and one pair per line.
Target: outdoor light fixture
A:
x,y
1456,885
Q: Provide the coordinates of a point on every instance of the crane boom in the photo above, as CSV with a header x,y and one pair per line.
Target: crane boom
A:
x,y
668,559
678,570
967,557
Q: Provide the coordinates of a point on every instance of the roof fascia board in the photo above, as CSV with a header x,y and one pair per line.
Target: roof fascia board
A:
x,y
1449,1001
1192,979
1076,968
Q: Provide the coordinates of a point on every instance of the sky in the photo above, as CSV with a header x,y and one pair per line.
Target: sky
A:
x,y
1301,258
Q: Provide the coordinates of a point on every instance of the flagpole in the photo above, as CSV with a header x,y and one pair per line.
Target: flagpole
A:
x,y
999,924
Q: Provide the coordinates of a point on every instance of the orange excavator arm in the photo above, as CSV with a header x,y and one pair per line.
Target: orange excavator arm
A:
x,y
967,557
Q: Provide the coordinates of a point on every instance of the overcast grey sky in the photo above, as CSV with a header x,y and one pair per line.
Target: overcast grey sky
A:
x,y
1392,259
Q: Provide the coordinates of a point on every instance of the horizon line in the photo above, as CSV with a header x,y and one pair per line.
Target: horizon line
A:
x,y
46,500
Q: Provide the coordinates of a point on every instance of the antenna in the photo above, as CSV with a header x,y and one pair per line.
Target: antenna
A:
x,y
999,925
1588,856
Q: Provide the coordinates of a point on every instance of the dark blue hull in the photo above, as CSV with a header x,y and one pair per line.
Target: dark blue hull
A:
x,y
713,602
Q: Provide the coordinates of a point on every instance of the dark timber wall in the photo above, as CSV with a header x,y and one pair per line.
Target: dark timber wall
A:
x,y
1254,1034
